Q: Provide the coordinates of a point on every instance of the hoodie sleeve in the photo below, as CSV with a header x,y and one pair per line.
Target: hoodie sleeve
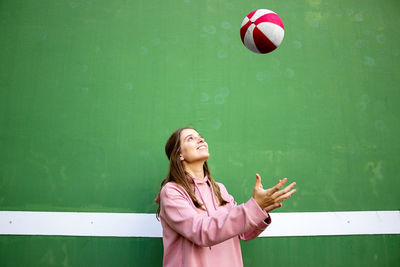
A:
x,y
179,212
254,231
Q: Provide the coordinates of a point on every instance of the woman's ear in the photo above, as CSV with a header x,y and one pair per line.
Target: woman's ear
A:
x,y
181,158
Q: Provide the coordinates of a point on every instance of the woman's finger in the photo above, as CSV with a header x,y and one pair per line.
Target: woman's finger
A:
x,y
284,191
273,206
278,185
285,196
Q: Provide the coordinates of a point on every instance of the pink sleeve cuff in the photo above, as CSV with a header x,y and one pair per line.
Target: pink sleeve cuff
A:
x,y
258,214
268,219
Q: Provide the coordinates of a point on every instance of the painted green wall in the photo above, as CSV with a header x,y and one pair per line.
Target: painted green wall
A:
x,y
91,90
380,250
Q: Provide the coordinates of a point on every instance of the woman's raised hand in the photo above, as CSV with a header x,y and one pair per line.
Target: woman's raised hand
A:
x,y
270,199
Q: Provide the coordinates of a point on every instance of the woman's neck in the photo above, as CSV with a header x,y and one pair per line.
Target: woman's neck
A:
x,y
195,170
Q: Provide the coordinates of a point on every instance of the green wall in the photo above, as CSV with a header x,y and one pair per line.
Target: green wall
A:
x,y
91,90
379,250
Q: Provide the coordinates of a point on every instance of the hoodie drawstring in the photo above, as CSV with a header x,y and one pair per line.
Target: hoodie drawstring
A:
x,y
202,199
212,195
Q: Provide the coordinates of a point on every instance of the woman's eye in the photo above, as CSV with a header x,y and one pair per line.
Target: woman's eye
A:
x,y
190,138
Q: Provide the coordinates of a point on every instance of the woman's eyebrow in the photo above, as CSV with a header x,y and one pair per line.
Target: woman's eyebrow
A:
x,y
191,135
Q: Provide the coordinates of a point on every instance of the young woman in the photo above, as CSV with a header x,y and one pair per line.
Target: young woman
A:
x,y
201,222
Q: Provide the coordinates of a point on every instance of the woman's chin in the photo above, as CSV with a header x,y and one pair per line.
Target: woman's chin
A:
x,y
203,157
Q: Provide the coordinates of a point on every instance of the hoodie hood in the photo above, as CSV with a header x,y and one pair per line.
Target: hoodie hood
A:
x,y
157,199
192,180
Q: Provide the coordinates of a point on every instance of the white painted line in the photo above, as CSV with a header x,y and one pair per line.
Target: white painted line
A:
x,y
79,224
146,225
334,223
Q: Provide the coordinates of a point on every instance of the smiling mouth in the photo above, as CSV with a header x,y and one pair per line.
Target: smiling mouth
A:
x,y
201,147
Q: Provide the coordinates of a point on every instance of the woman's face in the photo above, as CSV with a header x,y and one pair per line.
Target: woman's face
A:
x,y
193,146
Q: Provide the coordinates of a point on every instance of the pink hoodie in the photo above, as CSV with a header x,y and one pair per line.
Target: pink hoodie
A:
x,y
205,238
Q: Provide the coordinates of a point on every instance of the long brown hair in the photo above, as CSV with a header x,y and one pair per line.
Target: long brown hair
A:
x,y
178,174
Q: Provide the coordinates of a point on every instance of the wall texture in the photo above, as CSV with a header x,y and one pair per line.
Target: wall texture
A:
x,y
91,90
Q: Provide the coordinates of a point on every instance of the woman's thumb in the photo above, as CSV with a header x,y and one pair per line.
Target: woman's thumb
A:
x,y
258,181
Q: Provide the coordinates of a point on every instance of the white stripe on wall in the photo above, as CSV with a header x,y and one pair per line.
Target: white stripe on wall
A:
x,y
146,225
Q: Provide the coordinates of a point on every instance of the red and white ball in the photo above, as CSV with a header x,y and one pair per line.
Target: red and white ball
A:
x,y
262,31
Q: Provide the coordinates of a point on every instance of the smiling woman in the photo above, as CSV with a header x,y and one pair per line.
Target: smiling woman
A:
x,y
201,222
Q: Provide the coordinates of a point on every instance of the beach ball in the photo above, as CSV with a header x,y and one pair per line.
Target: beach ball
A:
x,y
262,31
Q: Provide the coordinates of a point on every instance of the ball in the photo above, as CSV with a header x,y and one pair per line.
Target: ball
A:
x,y
262,31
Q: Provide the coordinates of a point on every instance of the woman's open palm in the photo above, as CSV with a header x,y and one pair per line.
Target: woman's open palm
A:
x,y
272,198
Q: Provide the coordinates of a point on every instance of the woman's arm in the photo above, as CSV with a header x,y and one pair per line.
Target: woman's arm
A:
x,y
180,214
252,232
